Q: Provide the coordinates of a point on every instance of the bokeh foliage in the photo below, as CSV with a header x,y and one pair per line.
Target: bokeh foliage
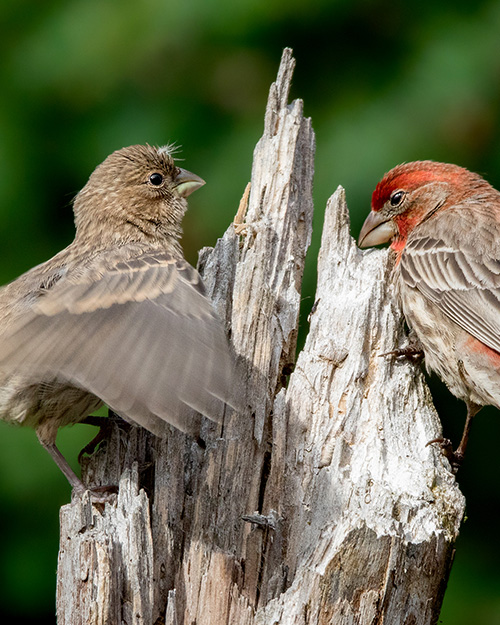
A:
x,y
384,82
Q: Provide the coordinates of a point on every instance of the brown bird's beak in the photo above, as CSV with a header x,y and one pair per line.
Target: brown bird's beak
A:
x,y
186,182
376,229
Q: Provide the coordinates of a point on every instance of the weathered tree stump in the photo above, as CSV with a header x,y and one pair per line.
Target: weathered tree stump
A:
x,y
321,504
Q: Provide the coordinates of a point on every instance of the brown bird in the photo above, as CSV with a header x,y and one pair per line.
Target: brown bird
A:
x,y
118,317
443,222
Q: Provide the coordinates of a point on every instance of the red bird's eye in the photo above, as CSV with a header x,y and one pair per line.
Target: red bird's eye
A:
x,y
397,198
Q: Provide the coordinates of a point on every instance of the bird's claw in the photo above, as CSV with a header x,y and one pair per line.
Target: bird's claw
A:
x,y
98,494
411,353
89,448
105,425
455,458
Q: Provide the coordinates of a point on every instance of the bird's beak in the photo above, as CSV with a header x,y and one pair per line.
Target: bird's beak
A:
x,y
186,182
376,229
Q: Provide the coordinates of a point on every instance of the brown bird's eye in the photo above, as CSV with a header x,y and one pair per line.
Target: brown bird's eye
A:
x,y
156,179
397,198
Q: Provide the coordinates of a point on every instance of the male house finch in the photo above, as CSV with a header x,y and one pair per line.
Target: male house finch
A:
x,y
444,224
118,316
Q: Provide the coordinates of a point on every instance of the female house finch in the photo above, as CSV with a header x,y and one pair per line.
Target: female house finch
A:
x,y
118,316
444,224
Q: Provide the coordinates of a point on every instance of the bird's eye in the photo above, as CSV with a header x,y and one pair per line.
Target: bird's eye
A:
x,y
397,198
156,179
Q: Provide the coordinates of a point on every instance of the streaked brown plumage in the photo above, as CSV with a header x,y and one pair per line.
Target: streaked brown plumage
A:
x,y
443,222
118,316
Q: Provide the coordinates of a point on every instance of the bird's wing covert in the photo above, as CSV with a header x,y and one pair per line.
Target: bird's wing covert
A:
x,y
140,334
459,281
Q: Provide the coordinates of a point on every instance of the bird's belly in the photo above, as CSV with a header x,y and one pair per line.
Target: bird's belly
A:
x,y
470,375
25,402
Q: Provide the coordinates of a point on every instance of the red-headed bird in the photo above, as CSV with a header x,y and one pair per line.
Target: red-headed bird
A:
x,y
443,222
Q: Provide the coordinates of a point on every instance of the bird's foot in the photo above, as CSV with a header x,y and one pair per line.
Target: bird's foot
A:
x,y
412,353
94,443
455,458
105,425
98,494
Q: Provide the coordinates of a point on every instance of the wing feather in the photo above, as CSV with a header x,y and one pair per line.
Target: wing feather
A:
x,y
140,335
462,284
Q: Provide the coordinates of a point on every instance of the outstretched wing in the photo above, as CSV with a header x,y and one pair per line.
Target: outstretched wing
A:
x,y
459,278
140,335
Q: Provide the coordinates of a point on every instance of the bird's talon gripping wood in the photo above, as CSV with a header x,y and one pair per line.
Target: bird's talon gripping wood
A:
x,y
412,354
455,458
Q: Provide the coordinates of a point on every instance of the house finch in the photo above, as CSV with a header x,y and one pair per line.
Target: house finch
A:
x,y
444,226
118,316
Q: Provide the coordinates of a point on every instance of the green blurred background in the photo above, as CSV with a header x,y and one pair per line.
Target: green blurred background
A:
x,y
383,83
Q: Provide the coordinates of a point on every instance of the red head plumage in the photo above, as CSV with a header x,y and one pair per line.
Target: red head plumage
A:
x,y
409,176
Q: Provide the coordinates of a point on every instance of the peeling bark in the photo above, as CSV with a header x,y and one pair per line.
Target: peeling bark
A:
x,y
320,505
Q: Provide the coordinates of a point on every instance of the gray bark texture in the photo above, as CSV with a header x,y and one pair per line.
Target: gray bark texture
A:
x,y
322,504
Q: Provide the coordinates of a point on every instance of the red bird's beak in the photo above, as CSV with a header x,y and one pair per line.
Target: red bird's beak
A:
x,y
376,229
